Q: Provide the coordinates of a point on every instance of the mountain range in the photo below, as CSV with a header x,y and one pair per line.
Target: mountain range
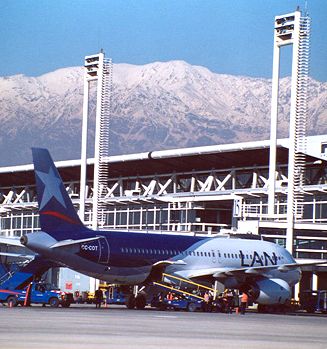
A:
x,y
160,105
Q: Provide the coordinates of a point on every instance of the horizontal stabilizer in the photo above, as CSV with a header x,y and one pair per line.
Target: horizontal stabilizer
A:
x,y
11,241
17,255
71,242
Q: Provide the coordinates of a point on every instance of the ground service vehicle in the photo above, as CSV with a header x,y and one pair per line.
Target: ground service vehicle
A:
x,y
111,295
37,293
86,297
114,295
179,303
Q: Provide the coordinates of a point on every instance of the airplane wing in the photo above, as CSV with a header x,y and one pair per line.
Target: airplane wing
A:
x,y
168,262
219,273
159,267
255,271
287,267
11,241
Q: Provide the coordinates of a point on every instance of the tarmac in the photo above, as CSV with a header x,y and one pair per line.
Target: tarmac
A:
x,y
83,326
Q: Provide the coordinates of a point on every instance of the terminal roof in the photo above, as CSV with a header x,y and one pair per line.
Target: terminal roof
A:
x,y
226,156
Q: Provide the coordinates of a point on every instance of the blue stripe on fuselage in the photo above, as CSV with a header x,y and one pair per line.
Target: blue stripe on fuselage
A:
x,y
135,249
140,249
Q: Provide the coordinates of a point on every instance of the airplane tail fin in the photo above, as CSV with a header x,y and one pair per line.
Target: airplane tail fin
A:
x,y
56,209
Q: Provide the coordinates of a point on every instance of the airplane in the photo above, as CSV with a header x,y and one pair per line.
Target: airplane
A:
x,y
260,268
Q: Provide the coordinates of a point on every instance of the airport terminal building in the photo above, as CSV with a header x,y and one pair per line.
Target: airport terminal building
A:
x,y
219,189
274,189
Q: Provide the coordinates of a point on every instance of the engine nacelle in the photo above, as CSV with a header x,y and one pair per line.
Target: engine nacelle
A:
x,y
271,291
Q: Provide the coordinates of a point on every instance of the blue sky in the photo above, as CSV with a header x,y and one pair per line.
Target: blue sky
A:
x,y
227,36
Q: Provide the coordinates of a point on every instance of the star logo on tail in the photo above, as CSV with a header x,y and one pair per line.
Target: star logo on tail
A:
x,y
51,188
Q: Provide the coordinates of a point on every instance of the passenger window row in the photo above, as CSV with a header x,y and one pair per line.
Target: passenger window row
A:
x,y
170,252
152,251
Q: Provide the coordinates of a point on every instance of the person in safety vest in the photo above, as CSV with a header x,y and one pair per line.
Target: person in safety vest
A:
x,y
244,302
170,296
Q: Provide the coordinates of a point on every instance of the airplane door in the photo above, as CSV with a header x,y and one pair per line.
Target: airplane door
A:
x,y
214,256
103,251
218,256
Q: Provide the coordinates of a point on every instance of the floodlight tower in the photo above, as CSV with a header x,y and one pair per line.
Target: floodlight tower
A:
x,y
291,29
96,68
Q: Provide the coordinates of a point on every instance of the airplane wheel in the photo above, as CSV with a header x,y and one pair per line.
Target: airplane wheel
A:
x,y
12,301
191,307
65,304
262,308
310,309
140,301
271,309
162,307
130,304
54,302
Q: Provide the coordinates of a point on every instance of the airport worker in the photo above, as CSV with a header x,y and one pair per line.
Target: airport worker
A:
x,y
76,296
206,304
229,298
244,302
160,297
170,296
98,298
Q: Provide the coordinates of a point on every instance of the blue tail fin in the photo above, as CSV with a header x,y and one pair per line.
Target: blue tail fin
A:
x,y
56,209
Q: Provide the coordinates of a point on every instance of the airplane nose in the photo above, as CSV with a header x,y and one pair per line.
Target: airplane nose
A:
x,y
24,240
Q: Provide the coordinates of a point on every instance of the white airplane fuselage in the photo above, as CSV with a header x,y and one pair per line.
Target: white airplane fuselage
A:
x,y
128,258
121,257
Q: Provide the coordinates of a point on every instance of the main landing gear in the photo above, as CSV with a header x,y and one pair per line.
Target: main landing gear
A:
x,y
138,301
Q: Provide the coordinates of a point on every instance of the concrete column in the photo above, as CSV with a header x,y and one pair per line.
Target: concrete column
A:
x,y
296,291
314,281
273,131
84,148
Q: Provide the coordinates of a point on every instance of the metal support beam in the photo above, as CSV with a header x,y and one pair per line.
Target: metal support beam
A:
x,y
97,143
84,146
292,136
273,130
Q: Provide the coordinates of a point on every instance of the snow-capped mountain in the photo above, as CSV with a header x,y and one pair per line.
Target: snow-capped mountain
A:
x,y
155,106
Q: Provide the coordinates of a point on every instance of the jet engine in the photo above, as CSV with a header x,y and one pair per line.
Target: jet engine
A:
x,y
270,291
